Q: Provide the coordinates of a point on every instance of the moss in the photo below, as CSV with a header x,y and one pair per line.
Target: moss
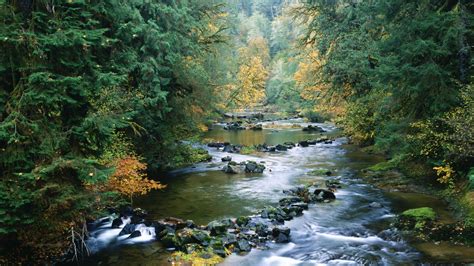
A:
x,y
383,166
206,257
420,214
470,177
467,203
248,150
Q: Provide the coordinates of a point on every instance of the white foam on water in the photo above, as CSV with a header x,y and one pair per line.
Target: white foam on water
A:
x,y
147,234
105,235
279,261
353,239
342,262
102,239
386,216
285,248
125,221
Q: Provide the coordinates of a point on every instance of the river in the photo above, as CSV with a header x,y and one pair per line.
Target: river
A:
x,y
344,232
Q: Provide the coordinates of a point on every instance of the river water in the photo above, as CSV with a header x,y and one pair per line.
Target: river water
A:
x,y
344,232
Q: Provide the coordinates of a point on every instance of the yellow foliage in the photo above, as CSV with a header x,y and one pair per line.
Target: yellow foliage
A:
x,y
314,88
252,78
130,179
256,47
197,258
202,127
445,173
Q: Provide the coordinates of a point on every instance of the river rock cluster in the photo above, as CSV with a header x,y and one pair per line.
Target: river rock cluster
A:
x,y
240,125
231,148
243,167
224,236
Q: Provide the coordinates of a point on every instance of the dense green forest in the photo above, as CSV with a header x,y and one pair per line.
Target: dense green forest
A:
x,y
97,98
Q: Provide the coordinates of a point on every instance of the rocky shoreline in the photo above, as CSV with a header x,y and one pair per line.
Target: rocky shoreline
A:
x,y
225,236
234,148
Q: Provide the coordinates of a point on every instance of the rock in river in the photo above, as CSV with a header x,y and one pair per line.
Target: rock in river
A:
x,y
323,194
312,128
231,168
135,234
254,167
226,159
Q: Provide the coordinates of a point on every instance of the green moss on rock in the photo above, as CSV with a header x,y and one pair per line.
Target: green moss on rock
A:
x,y
420,214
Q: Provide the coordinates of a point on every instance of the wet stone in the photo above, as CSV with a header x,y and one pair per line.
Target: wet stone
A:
x,y
226,159
242,220
135,234
127,229
289,200
216,228
229,239
324,195
117,222
243,245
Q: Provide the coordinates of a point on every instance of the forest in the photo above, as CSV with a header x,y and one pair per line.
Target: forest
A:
x,y
102,101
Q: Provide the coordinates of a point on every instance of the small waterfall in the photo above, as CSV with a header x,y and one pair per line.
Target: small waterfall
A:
x,y
103,235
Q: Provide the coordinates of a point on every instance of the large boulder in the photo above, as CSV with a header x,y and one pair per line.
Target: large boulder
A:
x,y
254,167
324,195
231,168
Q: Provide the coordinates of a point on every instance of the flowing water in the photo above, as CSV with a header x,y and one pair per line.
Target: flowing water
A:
x,y
346,231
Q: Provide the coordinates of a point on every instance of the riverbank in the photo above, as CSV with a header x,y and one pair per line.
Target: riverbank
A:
x,y
447,239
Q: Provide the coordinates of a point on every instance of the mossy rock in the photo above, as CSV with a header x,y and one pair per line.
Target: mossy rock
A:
x,y
470,177
242,220
170,240
420,219
420,214
246,150
383,166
